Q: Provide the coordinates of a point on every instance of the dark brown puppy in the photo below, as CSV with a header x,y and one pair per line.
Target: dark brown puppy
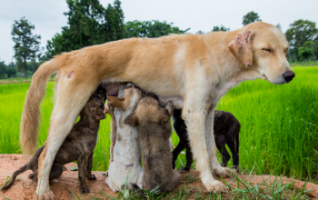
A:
x,y
78,146
226,130
154,131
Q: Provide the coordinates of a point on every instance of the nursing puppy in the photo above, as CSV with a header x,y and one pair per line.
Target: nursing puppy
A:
x,y
126,154
113,128
154,131
78,146
226,130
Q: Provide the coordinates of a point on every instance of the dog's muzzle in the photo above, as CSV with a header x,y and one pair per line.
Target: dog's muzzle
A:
x,y
288,75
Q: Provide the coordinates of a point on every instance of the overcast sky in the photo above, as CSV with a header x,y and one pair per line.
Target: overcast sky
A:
x,y
48,18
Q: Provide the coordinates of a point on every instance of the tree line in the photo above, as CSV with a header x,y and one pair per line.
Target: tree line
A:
x,y
90,23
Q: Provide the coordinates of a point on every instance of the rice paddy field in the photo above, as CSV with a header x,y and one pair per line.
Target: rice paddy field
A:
x,y
279,124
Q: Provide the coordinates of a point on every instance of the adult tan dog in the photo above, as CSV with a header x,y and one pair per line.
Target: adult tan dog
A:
x,y
191,71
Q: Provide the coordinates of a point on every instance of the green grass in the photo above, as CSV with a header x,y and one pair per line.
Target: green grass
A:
x,y
279,124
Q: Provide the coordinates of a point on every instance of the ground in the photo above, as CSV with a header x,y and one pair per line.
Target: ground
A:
x,y
66,186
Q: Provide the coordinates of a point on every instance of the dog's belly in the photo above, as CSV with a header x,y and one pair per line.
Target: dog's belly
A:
x,y
177,101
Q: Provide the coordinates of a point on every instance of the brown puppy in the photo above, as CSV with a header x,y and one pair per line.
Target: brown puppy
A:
x,y
78,146
154,131
226,130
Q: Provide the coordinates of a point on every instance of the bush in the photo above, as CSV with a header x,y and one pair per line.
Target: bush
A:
x,y
11,72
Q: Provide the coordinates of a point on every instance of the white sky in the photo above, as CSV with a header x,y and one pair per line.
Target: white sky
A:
x,y
48,18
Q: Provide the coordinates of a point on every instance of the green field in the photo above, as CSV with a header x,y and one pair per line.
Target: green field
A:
x,y
279,124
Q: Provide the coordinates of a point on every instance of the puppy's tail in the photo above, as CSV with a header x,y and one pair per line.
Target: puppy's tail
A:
x,y
14,175
31,111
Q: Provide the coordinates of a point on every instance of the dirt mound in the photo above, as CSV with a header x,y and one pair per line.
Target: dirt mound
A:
x,y
67,184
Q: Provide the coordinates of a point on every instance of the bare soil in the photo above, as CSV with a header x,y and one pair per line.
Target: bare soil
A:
x,y
68,183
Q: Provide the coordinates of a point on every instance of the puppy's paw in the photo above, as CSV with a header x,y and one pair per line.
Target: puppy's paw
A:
x,y
169,107
91,177
223,171
184,170
84,189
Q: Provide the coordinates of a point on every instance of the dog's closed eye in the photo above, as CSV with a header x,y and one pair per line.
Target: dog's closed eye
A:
x,y
268,50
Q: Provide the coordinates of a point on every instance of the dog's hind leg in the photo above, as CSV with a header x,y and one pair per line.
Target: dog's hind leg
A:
x,y
89,174
73,93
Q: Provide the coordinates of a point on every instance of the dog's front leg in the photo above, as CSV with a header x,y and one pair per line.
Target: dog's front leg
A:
x,y
195,117
211,147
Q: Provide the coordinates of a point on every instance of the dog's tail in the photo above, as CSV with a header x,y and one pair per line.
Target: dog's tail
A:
x,y
14,175
31,111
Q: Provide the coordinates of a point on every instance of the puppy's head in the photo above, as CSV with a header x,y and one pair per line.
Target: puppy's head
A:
x,y
130,99
95,107
148,110
96,110
263,48
99,94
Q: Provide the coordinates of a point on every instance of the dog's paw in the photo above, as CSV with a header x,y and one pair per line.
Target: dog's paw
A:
x,y
91,177
47,196
216,186
223,171
184,170
84,189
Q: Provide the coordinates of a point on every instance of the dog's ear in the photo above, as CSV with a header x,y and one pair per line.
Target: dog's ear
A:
x,y
100,115
241,46
116,102
131,119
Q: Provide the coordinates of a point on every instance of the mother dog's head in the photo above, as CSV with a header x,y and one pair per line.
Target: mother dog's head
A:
x,y
263,47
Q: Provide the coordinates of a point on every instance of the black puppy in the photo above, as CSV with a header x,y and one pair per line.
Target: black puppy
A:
x,y
78,146
226,130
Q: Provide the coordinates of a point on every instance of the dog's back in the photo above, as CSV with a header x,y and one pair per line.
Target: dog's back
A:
x,y
154,131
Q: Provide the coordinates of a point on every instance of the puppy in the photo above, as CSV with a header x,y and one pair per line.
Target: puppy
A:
x,y
126,161
226,130
154,131
113,128
78,146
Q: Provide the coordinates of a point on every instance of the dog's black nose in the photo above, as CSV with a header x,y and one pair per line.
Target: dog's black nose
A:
x,y
288,76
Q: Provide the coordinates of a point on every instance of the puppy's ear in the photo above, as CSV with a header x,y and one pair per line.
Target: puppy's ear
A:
x,y
116,102
169,107
241,46
163,115
131,119
100,115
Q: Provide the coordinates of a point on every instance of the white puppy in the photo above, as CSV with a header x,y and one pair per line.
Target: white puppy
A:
x,y
126,154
